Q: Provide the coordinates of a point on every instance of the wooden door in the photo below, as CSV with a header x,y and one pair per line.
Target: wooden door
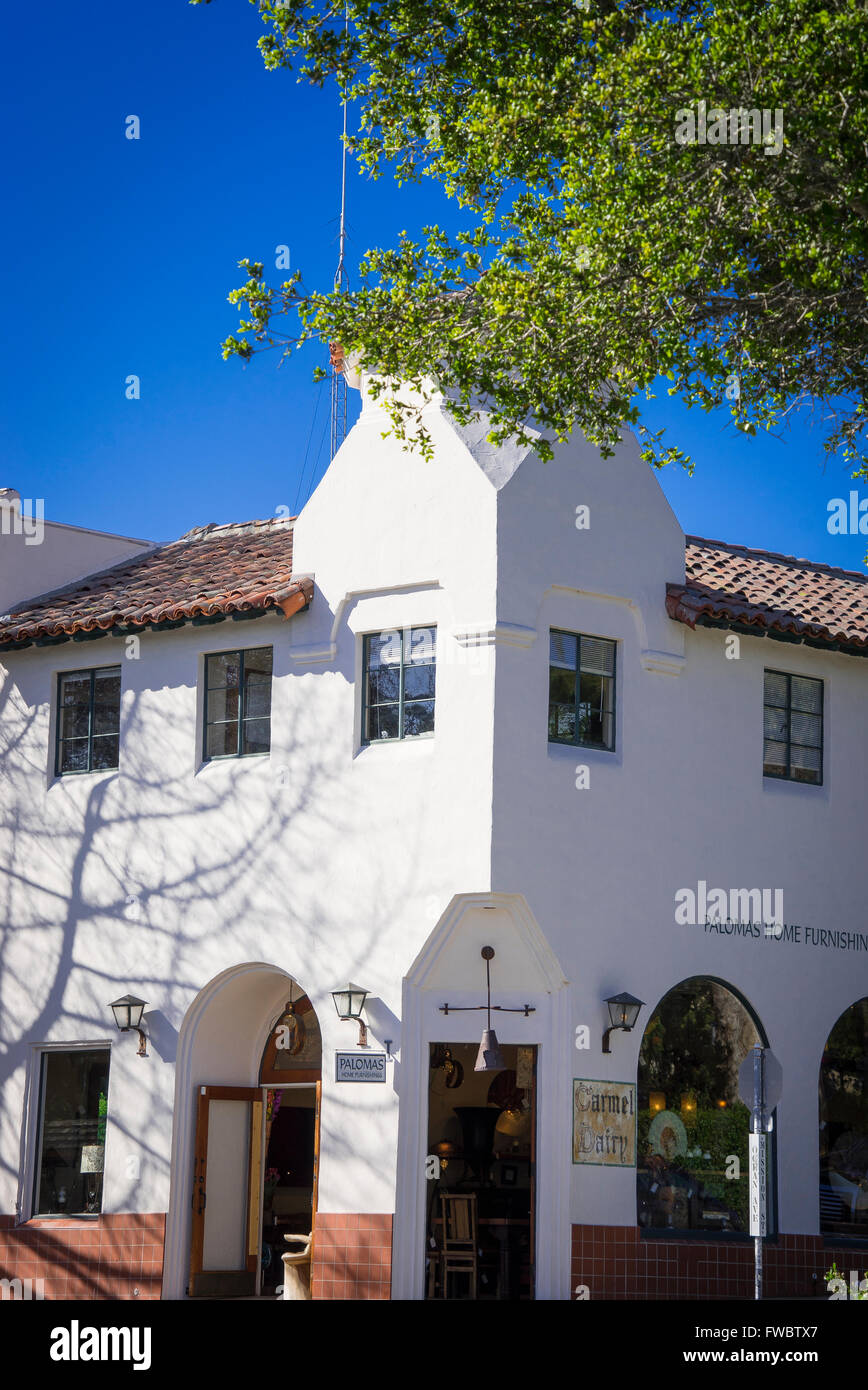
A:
x,y
227,1186
315,1196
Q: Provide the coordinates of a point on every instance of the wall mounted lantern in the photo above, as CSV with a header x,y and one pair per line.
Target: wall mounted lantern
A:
x,y
623,1012
489,1057
349,1002
128,1016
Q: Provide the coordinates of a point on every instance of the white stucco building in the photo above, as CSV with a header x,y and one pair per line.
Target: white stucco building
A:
x,y
478,701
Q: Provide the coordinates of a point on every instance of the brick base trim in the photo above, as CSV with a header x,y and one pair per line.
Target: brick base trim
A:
x,y
104,1257
614,1262
352,1256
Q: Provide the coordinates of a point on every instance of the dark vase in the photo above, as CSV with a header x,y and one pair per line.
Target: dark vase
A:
x,y
477,1129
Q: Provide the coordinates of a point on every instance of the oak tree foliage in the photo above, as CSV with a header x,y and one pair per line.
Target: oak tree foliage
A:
x,y
601,249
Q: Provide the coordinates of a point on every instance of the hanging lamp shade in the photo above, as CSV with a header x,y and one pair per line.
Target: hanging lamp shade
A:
x,y
489,1058
513,1122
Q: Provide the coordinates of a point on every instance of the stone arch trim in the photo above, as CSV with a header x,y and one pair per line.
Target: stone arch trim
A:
x,y
724,984
538,949
549,994
178,1221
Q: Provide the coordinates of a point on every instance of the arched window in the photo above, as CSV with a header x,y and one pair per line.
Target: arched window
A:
x,y
692,1139
844,1125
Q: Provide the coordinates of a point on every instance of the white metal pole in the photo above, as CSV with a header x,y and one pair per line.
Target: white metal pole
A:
x,y
758,1168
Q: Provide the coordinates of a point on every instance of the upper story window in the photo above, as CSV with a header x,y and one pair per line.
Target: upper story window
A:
x,y
73,1108
238,703
793,727
399,684
88,720
581,690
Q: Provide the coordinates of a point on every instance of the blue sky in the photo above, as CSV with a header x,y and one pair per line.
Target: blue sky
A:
x,y
119,255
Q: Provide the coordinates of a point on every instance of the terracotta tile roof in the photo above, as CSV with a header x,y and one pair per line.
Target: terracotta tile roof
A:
x,y
211,571
761,592
217,571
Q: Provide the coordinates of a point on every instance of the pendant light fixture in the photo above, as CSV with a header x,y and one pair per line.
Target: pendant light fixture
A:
x,y
489,1057
289,1030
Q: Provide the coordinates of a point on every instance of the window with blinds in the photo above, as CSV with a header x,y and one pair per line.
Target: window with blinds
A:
x,y
793,727
581,690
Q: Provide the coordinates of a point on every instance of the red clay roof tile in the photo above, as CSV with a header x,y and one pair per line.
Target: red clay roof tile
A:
x,y
767,592
211,570
220,570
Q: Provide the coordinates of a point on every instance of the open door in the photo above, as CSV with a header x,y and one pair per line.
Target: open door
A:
x,y
482,1130
530,1292
227,1183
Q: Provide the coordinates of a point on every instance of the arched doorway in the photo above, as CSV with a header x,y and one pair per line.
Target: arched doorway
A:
x,y
526,972
291,1073
844,1125
230,1069
692,1132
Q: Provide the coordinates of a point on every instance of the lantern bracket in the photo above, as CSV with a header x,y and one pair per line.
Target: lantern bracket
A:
x,y
495,1008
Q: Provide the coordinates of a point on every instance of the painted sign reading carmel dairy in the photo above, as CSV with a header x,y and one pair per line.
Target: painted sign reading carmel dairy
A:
x,y
604,1122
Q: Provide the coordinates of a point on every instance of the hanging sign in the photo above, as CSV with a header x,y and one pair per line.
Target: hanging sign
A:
x,y
360,1066
524,1068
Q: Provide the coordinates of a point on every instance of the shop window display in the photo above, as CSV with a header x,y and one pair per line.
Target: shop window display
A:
x,y
844,1125
692,1151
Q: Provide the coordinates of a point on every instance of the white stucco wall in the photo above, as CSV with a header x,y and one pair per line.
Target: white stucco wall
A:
x,y
37,555
682,798
201,888
326,860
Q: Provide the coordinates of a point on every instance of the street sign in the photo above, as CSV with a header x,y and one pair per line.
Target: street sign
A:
x,y
773,1077
757,1163
760,1082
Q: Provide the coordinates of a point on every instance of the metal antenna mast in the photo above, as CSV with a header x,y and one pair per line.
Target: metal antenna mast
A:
x,y
339,381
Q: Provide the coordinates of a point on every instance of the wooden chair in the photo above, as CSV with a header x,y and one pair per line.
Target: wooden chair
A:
x,y
296,1270
460,1249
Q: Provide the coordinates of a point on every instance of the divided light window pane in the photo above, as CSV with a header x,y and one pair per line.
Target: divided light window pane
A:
x,y
598,656
563,650
776,689
399,684
238,703
88,720
807,694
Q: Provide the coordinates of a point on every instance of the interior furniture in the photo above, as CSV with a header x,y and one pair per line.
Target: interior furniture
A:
x,y
296,1269
459,1251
